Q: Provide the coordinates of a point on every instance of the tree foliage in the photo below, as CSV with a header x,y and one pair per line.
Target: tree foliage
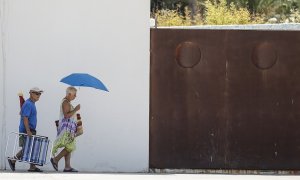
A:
x,y
254,6
169,4
219,13
167,17
195,12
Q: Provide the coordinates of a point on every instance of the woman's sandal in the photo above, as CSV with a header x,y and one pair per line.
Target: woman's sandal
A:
x,y
70,170
55,166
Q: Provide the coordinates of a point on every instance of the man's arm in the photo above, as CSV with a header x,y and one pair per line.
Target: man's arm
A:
x,y
26,124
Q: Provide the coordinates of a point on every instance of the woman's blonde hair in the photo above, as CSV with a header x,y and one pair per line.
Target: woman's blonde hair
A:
x,y
71,90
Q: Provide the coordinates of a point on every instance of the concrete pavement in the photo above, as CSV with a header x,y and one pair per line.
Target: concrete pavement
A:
x,y
22,175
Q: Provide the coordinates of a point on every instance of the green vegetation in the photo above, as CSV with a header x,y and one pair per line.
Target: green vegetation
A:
x,y
220,12
167,17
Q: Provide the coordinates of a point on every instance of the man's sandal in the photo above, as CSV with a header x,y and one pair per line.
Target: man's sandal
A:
x,y
11,164
35,170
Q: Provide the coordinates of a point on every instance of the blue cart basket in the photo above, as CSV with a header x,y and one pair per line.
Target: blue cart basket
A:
x,y
34,150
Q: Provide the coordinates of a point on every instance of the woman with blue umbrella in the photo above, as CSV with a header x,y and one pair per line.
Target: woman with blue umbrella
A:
x,y
66,131
67,124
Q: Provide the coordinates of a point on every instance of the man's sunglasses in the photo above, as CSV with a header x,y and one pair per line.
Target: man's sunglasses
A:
x,y
37,93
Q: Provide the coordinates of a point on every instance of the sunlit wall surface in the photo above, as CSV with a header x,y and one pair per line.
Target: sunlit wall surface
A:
x,y
44,40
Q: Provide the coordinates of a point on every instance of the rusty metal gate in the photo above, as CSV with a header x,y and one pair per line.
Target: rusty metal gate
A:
x,y
225,99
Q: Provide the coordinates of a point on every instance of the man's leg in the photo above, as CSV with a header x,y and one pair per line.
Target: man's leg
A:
x,y
19,154
12,162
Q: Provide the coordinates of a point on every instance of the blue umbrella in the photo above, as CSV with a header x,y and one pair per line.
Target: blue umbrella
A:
x,y
85,80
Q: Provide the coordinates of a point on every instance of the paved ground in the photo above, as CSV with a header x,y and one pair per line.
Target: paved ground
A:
x,y
4,175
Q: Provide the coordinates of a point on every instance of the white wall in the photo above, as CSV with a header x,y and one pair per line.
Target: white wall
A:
x,y
46,40
2,115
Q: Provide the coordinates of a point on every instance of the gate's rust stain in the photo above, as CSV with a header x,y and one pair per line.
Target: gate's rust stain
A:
x,y
225,99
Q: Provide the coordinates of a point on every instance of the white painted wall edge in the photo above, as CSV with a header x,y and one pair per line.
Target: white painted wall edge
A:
x,y
2,82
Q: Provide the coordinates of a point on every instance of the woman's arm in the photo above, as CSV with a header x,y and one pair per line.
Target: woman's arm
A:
x,y
66,107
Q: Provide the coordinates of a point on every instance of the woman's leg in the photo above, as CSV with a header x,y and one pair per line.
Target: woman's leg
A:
x,y
68,161
62,153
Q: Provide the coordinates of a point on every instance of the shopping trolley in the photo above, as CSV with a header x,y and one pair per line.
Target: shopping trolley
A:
x,y
34,150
